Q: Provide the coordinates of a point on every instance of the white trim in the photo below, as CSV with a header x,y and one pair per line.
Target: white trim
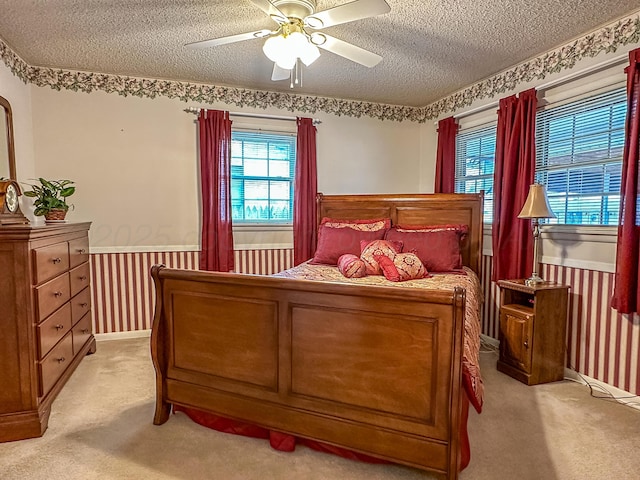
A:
x,y
147,248
263,227
614,391
263,246
105,337
581,264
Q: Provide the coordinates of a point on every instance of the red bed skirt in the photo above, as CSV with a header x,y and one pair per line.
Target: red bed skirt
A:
x,y
285,442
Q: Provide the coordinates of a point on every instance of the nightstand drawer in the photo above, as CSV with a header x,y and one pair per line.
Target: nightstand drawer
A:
x,y
52,295
53,329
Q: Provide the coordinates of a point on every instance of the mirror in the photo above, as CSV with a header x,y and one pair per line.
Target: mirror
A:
x,y
7,154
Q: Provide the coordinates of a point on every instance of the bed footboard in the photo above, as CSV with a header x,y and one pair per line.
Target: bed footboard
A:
x,y
371,369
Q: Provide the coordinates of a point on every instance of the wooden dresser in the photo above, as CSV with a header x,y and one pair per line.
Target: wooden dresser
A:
x,y
45,320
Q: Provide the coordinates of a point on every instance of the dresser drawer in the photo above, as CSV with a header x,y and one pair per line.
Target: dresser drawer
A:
x,y
50,261
79,277
52,295
80,305
78,251
81,333
55,363
53,329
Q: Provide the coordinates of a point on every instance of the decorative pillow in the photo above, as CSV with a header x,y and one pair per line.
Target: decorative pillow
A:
x,y
437,246
351,266
404,266
337,237
378,247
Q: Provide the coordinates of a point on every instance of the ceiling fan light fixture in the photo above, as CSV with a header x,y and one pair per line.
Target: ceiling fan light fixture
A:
x,y
310,54
274,46
313,22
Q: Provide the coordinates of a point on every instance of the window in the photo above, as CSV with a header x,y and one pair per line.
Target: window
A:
x,y
475,159
579,149
262,175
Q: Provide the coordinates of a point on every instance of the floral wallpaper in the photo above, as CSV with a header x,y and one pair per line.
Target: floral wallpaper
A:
x,y
604,40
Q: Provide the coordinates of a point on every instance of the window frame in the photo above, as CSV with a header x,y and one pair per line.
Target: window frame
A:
x,y
265,224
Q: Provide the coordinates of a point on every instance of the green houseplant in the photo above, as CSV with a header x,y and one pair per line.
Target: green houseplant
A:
x,y
51,198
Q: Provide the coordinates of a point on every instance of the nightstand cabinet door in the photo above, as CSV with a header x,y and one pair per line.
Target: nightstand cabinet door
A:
x,y
516,332
533,322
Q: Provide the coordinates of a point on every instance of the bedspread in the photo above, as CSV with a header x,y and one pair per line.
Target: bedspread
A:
x,y
466,279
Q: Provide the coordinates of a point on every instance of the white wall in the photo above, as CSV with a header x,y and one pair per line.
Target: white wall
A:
x,y
19,96
134,161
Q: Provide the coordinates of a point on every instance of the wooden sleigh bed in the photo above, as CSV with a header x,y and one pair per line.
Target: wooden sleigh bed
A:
x,y
375,370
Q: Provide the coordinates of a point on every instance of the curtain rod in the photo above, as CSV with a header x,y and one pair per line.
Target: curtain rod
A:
x,y
196,111
545,86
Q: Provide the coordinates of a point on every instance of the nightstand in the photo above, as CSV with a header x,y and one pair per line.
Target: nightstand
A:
x,y
533,323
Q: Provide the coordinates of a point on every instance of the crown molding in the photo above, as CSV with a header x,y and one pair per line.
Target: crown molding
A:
x,y
604,40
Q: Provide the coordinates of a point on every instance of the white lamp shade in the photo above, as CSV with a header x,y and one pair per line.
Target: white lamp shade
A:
x,y
310,54
273,46
537,204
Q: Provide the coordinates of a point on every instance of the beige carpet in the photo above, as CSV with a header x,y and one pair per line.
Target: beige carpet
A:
x,y
101,428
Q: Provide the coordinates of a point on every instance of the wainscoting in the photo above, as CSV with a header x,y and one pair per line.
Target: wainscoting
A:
x,y
601,343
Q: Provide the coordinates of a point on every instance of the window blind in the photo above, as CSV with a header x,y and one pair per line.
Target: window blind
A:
x,y
475,160
262,177
579,148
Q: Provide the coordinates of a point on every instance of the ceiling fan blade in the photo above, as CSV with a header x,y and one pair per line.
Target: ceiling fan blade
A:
x,y
280,73
348,12
270,9
346,50
214,42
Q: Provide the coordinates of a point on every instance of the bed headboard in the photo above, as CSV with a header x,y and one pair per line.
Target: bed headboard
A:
x,y
418,209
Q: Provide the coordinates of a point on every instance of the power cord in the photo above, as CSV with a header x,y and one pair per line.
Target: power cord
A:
x,y
595,389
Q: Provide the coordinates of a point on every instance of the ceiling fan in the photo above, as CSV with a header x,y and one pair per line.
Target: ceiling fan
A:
x,y
297,40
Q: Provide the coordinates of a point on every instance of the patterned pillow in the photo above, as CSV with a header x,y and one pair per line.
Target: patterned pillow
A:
x,y
404,266
438,246
337,237
351,266
378,247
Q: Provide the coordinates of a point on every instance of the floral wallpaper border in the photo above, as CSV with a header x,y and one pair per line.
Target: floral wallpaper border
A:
x,y
606,39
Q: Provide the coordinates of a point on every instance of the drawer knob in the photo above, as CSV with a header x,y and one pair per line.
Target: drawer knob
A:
x,y
82,250
526,344
83,278
84,330
57,294
56,260
59,327
84,304
60,360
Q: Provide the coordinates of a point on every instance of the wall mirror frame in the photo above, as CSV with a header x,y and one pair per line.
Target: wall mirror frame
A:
x,y
7,152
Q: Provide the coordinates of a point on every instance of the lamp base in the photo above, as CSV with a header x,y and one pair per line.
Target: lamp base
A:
x,y
533,280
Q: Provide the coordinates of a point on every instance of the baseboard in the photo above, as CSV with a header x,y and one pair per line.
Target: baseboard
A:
x,y
102,337
622,396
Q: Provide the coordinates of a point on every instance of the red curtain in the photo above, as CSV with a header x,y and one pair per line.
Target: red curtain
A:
x,y
626,294
215,180
446,156
305,191
514,172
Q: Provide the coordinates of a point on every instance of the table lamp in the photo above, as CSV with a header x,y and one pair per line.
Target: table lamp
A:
x,y
536,207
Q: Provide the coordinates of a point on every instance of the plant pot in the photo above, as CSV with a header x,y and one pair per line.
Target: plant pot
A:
x,y
55,215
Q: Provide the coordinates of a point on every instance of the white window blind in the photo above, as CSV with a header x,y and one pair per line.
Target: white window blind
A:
x,y
579,149
262,177
475,160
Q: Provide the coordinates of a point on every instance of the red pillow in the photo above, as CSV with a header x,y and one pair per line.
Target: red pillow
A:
x,y
351,266
437,246
337,237
404,266
378,247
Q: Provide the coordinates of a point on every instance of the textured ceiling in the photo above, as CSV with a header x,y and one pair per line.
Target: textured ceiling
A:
x,y
430,48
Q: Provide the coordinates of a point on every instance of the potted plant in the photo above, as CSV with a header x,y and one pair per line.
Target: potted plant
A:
x,y
51,198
